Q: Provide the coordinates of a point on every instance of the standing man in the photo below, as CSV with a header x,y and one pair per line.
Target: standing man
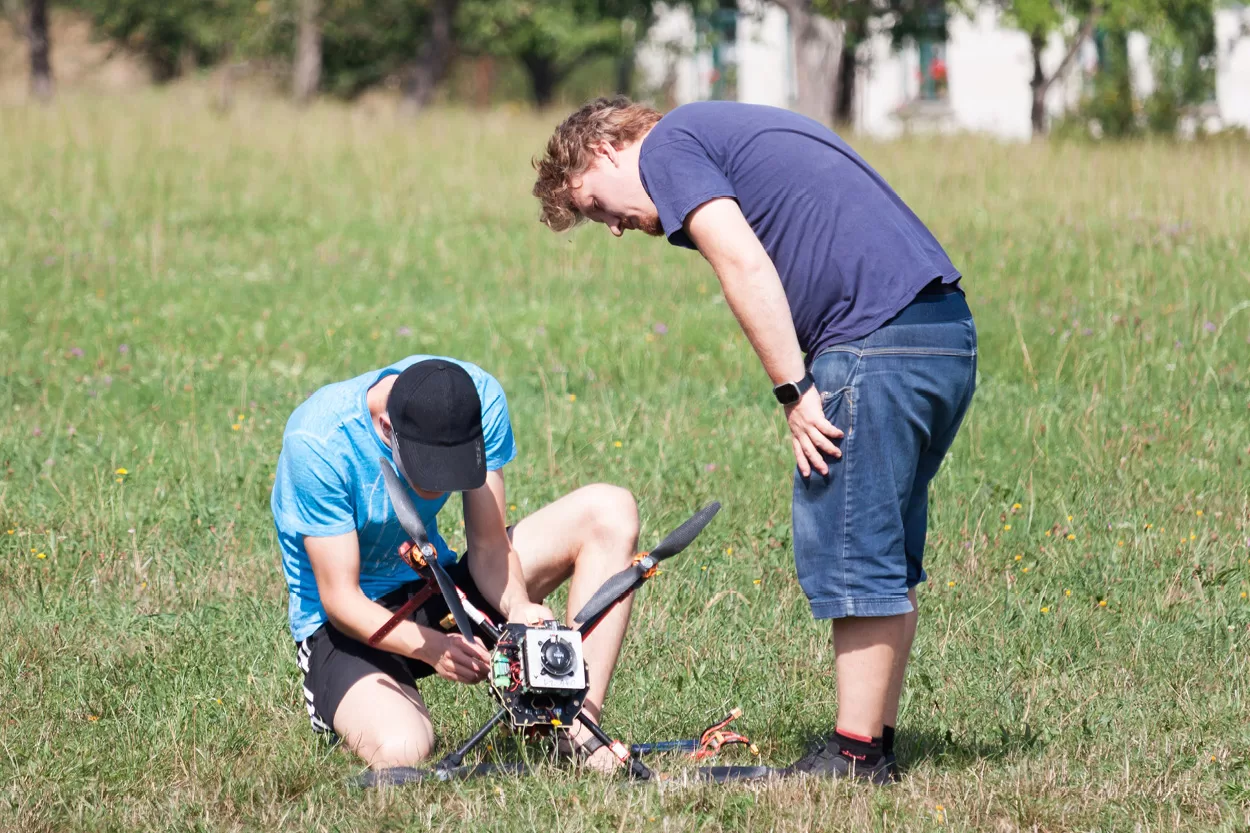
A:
x,y
444,425
855,313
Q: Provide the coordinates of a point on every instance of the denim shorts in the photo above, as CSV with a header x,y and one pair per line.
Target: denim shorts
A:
x,y
899,395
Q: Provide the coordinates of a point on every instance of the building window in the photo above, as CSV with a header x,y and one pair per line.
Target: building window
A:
x,y
934,84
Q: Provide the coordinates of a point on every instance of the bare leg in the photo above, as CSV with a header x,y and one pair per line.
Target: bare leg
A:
x,y
584,537
384,722
895,692
865,650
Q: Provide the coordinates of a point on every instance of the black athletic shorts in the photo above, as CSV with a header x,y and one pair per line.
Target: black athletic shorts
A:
x,y
333,662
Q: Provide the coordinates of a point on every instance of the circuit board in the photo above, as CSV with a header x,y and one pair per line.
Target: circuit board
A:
x,y
534,692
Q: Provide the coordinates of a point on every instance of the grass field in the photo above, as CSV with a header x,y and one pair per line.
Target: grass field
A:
x,y
174,283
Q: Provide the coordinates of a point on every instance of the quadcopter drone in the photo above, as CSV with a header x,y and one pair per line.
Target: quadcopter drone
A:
x,y
537,674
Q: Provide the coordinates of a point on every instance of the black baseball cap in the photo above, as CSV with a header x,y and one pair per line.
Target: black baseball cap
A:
x,y
436,427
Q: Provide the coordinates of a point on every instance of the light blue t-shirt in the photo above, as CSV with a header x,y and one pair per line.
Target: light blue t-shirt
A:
x,y
329,482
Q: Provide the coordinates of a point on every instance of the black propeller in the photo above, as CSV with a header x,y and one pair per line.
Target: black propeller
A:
x,y
411,522
632,577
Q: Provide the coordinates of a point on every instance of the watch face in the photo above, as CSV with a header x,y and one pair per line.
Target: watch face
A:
x,y
787,394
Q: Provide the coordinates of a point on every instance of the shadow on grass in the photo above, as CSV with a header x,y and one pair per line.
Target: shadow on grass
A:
x,y
944,750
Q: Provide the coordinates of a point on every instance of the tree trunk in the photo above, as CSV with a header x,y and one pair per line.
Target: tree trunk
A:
x,y
817,54
625,72
1038,85
433,58
40,51
543,77
307,75
844,99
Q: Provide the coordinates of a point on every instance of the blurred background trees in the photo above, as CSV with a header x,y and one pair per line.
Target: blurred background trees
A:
x,y
547,51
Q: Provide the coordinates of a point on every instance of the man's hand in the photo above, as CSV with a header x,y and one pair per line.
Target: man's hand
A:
x,y
812,434
453,658
528,613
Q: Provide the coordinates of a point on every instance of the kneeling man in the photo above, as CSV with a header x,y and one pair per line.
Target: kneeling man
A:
x,y
444,424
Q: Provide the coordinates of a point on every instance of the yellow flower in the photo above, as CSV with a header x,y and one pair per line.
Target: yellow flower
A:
x,y
1148,526
1006,527
1018,557
1048,533
1069,519
1067,592
119,480
1120,543
1071,537
1045,610
1243,595
11,531
1102,603
1016,506
941,809
122,472
729,550
93,717
617,443
1026,569
1192,536
572,397
219,701
42,555
1199,513
757,581
242,417
950,584
234,427
512,507
704,567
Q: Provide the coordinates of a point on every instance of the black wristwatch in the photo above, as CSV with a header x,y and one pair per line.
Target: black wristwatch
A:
x,y
788,393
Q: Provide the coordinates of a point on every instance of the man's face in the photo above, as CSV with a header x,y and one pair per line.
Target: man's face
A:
x,y
611,192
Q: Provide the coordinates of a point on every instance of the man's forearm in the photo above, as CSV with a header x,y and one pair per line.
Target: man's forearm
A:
x,y
759,303
499,578
359,617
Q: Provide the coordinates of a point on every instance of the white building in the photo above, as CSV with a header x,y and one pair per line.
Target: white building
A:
x,y
987,64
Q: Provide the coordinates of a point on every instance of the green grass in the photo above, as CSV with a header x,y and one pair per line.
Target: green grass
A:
x,y
174,283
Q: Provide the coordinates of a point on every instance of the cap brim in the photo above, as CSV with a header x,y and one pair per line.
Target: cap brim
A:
x,y
442,468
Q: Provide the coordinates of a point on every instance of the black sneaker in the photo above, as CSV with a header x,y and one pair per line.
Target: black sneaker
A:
x,y
825,761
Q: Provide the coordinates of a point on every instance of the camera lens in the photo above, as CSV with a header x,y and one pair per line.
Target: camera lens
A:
x,y
557,657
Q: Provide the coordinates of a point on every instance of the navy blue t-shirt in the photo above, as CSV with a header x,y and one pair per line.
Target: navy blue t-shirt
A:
x,y
849,252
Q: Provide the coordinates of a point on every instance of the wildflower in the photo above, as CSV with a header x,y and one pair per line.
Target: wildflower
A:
x,y
1006,527
1048,533
41,556
242,417
1192,536
93,717
617,444
1199,513
1120,543
512,507
1243,594
1018,556
123,349
219,701
404,331
1069,519
234,427
704,568
37,432
729,550
1148,526
1102,602
660,328
1071,537
572,397
122,472
950,584
1067,592
76,352
1015,506
11,531
1210,328
1026,569
1046,610
757,581
710,467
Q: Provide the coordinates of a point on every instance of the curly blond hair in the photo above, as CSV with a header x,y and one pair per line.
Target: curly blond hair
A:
x,y
617,120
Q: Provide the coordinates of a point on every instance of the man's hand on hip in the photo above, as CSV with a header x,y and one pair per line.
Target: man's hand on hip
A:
x,y
812,434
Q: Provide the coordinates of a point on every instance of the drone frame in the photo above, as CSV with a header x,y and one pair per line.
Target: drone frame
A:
x,y
423,558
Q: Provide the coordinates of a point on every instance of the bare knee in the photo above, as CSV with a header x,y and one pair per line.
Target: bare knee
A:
x,y
610,516
396,749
